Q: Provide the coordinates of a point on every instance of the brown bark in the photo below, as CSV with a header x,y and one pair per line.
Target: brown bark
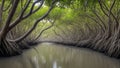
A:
x,y
12,47
4,30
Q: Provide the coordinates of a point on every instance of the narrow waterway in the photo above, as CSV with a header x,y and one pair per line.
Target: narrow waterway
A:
x,y
49,55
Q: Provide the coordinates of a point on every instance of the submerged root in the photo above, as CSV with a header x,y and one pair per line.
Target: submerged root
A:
x,y
23,45
8,49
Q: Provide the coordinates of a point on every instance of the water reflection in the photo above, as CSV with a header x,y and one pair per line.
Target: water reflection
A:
x,y
56,56
54,64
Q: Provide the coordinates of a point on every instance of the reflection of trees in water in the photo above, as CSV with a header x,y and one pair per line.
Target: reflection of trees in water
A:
x,y
69,57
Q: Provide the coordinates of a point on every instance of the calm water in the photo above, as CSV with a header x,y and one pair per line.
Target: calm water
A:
x,y
56,56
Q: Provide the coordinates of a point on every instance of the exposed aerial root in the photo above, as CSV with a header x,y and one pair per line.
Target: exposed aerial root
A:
x,y
8,49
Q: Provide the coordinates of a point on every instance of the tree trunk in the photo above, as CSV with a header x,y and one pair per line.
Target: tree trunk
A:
x,y
0,15
8,48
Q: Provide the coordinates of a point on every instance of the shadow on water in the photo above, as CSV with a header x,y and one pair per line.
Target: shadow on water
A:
x,y
47,55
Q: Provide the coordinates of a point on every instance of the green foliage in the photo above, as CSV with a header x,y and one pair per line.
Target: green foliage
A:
x,y
66,12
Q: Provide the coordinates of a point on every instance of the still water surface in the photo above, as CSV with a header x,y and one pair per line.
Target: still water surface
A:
x,y
49,55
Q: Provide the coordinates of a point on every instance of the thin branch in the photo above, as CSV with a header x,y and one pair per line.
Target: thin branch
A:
x,y
110,11
32,11
103,23
101,6
10,16
19,19
5,9
1,8
22,16
52,24
34,26
97,22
